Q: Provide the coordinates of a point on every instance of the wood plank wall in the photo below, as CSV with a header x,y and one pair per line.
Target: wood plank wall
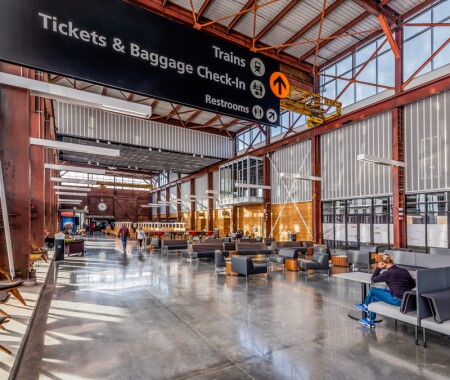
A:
x,y
290,220
248,218
222,221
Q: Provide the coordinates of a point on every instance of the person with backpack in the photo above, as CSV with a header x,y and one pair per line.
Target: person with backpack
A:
x,y
140,234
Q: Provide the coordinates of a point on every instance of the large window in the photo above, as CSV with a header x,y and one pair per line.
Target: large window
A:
x,y
427,217
378,72
352,222
421,42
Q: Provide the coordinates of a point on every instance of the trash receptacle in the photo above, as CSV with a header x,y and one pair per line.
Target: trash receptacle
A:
x,y
291,236
59,246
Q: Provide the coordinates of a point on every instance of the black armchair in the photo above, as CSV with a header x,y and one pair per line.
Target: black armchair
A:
x,y
244,266
323,250
285,253
319,262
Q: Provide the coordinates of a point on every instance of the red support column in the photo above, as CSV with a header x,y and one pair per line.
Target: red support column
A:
x,y
179,218
168,205
210,203
158,209
37,187
15,156
316,191
192,192
267,194
398,149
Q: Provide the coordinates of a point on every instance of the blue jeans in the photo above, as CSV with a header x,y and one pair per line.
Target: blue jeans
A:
x,y
124,242
384,295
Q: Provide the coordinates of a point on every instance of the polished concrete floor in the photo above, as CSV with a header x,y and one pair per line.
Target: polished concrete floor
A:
x,y
110,315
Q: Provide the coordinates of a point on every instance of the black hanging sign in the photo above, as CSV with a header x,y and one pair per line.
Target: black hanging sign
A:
x,y
117,44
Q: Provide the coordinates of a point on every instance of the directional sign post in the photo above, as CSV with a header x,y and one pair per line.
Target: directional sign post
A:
x,y
279,84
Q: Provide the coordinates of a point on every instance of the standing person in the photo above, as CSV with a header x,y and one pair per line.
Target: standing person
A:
x,y
140,234
124,234
398,281
91,228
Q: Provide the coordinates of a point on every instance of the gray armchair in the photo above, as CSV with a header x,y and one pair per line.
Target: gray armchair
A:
x,y
244,266
219,260
319,262
285,253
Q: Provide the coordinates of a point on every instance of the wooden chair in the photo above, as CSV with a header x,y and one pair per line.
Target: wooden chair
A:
x,y
12,287
4,320
36,254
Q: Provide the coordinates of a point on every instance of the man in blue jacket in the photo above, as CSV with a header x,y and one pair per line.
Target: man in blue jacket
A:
x,y
398,281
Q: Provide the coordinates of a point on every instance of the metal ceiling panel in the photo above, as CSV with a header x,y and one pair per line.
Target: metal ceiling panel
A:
x,y
296,19
219,9
94,124
186,4
403,6
264,16
137,158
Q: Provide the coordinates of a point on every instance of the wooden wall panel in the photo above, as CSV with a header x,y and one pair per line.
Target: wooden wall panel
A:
x,y
291,221
186,219
222,221
249,217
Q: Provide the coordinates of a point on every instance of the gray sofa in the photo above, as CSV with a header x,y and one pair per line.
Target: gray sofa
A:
x,y
319,262
244,266
433,301
285,253
414,261
252,249
440,251
429,282
173,245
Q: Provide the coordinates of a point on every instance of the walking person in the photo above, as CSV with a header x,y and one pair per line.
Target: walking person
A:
x,y
124,234
140,234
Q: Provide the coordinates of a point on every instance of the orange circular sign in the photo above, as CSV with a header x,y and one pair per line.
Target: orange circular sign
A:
x,y
279,84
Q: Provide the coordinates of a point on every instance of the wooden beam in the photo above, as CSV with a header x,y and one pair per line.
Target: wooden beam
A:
x,y
313,22
277,18
342,30
238,16
374,9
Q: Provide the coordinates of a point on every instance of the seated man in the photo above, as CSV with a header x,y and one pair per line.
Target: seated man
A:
x,y
398,281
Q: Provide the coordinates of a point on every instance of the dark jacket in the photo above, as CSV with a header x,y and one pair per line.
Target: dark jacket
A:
x,y
397,279
124,232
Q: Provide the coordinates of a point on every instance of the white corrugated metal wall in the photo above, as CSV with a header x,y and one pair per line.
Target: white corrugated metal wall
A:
x,y
201,185
97,124
185,190
344,177
173,196
427,148
216,187
294,159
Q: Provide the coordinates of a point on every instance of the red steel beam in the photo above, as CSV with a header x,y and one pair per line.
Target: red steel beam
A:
x,y
374,35
409,96
193,116
313,22
238,16
389,36
184,16
342,30
277,18
408,81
